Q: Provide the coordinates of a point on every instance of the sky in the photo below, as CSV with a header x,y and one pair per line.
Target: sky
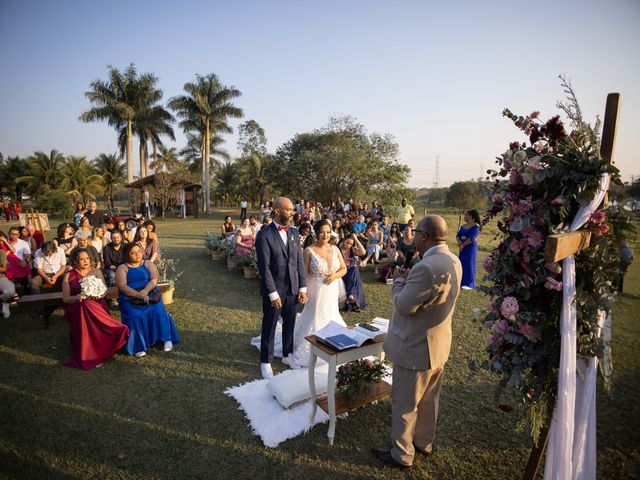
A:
x,y
435,75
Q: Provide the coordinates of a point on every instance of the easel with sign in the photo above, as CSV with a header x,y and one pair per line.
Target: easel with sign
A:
x,y
561,246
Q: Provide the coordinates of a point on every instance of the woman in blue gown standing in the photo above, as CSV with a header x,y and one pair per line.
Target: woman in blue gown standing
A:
x,y
148,322
468,244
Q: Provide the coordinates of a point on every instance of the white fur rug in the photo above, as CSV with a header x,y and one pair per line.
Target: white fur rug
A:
x,y
267,418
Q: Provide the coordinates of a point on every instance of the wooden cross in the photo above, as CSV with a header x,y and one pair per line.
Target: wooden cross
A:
x,y
560,246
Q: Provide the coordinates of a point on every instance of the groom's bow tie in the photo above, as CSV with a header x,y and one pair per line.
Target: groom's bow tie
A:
x,y
280,228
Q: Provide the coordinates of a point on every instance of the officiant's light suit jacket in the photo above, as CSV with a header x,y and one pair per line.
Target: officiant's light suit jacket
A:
x,y
419,336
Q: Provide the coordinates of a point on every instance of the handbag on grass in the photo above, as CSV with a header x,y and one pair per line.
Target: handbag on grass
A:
x,y
154,297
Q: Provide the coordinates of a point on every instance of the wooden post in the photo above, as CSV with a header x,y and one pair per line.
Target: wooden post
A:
x,y
558,247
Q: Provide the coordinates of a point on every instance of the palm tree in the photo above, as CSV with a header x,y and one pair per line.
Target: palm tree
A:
x,y
116,101
226,182
12,169
192,152
80,180
113,170
166,161
205,109
45,172
253,172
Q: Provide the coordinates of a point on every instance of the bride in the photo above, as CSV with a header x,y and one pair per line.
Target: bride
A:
x,y
325,267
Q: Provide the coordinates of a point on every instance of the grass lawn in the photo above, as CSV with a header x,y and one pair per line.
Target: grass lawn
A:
x,y
166,416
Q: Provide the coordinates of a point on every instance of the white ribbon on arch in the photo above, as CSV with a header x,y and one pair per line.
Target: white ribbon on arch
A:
x,y
571,451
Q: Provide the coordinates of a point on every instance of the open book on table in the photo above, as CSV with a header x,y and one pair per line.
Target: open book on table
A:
x,y
340,337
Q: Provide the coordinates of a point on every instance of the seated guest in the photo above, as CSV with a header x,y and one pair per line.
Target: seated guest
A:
x,y
406,248
253,221
95,334
337,232
359,227
19,257
65,238
50,262
385,228
227,229
106,232
296,219
37,235
392,241
85,227
7,288
351,250
24,235
266,221
134,230
84,242
113,257
97,240
374,244
127,237
151,228
245,238
148,320
148,245
304,230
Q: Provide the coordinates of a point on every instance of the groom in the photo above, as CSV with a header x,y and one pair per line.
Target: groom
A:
x,y
283,282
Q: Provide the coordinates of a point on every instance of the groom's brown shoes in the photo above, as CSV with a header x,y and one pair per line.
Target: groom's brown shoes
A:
x,y
384,455
426,453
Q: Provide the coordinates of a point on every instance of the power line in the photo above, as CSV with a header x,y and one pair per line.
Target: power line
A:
x,y
436,179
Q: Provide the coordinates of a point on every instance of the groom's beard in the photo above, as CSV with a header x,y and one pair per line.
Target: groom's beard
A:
x,y
282,220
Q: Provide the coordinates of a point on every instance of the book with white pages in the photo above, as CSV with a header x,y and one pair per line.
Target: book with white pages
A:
x,y
334,329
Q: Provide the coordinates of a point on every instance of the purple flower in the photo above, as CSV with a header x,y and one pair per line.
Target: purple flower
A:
x,y
553,284
597,217
501,326
553,267
509,306
534,115
496,198
535,239
487,264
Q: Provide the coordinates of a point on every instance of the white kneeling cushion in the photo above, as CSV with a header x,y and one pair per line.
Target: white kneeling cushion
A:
x,y
292,386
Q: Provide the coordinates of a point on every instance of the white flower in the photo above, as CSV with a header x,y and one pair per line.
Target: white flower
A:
x,y
92,287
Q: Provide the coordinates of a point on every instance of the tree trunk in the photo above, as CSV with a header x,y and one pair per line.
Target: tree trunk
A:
x,y
141,153
205,168
155,156
130,161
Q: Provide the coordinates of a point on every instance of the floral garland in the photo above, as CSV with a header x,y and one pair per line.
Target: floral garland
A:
x,y
537,190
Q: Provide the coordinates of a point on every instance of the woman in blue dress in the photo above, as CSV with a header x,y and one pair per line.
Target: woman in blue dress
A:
x,y
468,244
148,322
351,249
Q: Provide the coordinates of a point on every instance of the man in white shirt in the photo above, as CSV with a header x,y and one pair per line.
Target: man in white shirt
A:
x,y
22,250
51,263
243,209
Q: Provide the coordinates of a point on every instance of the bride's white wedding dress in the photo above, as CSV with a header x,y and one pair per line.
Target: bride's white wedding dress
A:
x,y
322,304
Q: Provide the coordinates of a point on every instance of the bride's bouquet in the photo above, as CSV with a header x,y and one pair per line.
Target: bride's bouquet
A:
x,y
92,287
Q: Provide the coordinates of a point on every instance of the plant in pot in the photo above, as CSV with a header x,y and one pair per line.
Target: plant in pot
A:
x,y
232,256
168,272
249,264
215,246
358,379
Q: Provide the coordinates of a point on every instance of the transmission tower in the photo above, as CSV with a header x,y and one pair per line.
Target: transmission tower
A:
x,y
436,180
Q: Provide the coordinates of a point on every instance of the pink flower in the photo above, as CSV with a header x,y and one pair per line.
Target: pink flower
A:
x,y
487,264
559,201
534,164
501,326
553,284
514,246
491,340
533,115
602,229
514,177
597,216
553,267
535,239
529,332
496,198
509,306
491,306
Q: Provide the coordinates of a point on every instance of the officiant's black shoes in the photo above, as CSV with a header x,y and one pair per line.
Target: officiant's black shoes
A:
x,y
384,455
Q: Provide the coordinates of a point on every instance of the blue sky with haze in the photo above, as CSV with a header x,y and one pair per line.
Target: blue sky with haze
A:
x,y
435,75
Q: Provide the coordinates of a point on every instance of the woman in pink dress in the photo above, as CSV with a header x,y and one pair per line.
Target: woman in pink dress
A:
x,y
245,238
95,334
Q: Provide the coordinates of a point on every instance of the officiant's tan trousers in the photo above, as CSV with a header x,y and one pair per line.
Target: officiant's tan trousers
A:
x,y
414,411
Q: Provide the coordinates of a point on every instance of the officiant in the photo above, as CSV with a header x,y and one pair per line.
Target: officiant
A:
x,y
419,341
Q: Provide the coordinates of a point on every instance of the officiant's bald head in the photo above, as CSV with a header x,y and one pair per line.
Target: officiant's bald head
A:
x,y
431,231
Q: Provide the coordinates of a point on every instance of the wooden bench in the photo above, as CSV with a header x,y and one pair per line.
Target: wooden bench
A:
x,y
48,302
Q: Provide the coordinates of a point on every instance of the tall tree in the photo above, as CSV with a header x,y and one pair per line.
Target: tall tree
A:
x,y
12,169
226,182
80,180
116,101
192,152
206,108
252,138
166,161
113,170
45,172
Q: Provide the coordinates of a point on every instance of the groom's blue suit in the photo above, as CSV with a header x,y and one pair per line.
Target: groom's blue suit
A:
x,y
281,270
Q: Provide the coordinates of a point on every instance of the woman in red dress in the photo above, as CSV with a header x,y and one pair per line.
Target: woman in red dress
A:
x,y
8,211
95,334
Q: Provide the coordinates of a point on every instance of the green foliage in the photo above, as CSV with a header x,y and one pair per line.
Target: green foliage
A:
x,y
466,195
340,161
54,202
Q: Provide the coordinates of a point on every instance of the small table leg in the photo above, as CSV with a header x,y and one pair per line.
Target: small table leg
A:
x,y
312,384
331,396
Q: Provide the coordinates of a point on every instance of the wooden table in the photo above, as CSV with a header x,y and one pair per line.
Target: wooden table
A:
x,y
335,358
